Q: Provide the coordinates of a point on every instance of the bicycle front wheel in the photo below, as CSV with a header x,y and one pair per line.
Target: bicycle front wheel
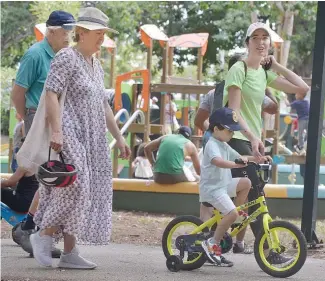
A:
x,y
289,253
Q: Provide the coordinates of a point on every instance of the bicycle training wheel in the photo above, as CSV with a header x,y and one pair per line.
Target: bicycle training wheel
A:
x,y
181,226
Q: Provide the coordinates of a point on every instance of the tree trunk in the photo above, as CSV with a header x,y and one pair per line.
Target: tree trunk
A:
x,y
286,35
254,12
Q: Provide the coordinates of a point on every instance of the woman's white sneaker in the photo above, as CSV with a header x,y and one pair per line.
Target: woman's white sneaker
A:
x,y
74,260
42,247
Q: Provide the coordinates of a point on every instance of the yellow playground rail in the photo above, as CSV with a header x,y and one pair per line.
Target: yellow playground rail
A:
x,y
4,147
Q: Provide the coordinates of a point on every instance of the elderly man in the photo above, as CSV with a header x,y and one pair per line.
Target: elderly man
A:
x,y
26,93
35,65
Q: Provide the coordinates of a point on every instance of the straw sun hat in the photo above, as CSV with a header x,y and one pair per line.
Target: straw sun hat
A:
x,y
93,19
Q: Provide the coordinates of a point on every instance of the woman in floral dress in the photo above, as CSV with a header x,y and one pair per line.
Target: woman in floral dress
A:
x,y
82,211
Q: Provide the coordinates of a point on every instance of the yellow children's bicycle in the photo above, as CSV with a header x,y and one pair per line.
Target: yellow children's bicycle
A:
x,y
182,238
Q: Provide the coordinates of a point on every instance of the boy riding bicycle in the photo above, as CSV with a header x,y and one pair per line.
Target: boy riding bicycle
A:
x,y
216,182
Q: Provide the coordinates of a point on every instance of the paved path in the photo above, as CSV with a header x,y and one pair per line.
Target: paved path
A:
x,y
121,262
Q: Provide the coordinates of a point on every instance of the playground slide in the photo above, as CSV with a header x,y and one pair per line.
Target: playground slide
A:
x,y
129,121
120,113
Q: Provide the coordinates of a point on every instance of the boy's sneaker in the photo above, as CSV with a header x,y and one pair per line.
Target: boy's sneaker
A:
x,y
212,251
75,261
275,258
236,249
225,262
42,246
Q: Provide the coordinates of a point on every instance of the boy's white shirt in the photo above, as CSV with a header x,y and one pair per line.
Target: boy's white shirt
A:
x,y
214,181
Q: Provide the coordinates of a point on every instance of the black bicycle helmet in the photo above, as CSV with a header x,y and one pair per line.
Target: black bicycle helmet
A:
x,y
55,173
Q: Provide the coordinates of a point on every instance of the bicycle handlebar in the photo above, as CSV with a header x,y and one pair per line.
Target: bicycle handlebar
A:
x,y
264,167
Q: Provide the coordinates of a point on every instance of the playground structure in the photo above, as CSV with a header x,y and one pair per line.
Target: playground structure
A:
x,y
171,84
168,84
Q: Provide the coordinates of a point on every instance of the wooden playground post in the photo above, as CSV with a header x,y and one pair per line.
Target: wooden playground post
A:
x,y
199,80
147,113
170,61
164,64
199,65
111,77
166,52
133,135
149,57
169,74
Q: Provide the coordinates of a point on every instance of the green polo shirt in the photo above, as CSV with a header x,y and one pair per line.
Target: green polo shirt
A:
x,y
33,70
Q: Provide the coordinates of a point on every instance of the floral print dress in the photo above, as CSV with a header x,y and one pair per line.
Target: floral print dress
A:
x,y
83,209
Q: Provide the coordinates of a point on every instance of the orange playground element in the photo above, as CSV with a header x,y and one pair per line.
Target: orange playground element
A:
x,y
137,74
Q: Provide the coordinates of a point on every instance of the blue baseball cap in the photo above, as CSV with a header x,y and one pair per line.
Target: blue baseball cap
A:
x,y
61,18
185,131
226,117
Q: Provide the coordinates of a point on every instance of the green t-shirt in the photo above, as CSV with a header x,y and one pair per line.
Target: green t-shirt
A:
x,y
252,91
170,159
33,70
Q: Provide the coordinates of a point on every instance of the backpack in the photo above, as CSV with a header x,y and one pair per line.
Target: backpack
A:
x,y
218,92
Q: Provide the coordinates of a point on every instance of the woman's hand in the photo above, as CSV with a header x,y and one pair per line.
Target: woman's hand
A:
x,y
125,151
56,141
270,63
257,148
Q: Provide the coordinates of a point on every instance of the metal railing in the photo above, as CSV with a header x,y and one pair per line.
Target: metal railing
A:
x,y
128,122
120,112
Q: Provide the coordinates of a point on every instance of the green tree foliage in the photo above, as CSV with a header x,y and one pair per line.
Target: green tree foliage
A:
x,y
17,25
303,38
226,22
42,9
7,75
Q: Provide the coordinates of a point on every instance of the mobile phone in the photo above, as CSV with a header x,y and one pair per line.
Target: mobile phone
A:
x,y
267,66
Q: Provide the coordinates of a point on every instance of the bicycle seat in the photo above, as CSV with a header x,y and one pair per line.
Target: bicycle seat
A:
x,y
206,204
11,216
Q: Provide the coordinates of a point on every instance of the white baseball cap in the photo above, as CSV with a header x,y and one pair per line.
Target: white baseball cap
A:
x,y
155,99
257,25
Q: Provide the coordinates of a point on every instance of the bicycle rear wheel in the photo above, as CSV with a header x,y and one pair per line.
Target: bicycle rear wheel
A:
x,y
181,226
